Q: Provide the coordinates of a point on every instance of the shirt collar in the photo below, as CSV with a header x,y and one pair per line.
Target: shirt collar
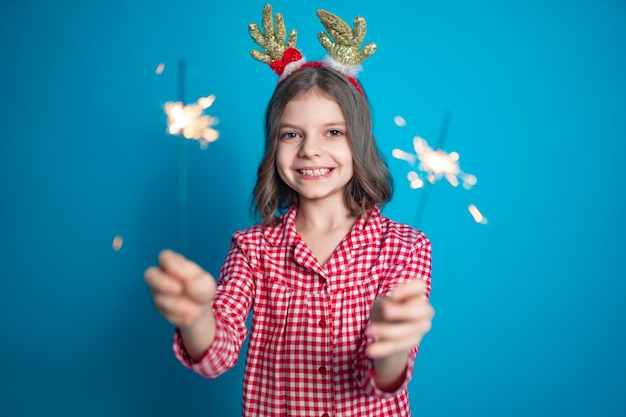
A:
x,y
367,228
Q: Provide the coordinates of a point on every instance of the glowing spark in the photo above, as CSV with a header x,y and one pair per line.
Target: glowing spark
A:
x,y
469,181
190,122
435,164
405,156
477,215
160,69
117,243
415,180
206,102
399,121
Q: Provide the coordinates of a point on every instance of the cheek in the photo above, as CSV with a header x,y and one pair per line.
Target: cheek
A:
x,y
282,164
347,157
281,174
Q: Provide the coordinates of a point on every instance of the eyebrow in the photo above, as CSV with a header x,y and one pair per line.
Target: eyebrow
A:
x,y
336,123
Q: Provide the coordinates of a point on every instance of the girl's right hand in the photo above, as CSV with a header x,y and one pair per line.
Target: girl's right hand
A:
x,y
181,291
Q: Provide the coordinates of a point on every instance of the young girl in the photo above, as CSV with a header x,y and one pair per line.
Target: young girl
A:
x,y
338,292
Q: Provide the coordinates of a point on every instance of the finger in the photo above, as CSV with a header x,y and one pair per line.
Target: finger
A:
x,y
399,331
159,282
169,306
413,288
382,349
169,260
418,309
177,310
178,266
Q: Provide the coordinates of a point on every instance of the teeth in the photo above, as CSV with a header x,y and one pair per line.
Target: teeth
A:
x,y
315,171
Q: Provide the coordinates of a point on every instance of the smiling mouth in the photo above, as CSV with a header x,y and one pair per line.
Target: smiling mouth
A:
x,y
315,172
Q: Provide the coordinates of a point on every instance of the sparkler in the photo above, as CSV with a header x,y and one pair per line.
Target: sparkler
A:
x,y
433,165
188,122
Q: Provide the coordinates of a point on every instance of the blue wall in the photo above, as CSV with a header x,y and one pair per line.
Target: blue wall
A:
x,y
529,314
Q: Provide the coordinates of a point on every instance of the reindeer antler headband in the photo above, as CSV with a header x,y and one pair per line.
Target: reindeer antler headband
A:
x,y
342,43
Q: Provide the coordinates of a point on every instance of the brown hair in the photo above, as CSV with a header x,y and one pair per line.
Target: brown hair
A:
x,y
371,183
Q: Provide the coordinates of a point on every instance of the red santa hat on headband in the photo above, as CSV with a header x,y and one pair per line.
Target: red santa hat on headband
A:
x,y
342,43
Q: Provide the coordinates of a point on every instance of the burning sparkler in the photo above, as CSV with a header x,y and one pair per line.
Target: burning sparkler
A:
x,y
190,122
434,165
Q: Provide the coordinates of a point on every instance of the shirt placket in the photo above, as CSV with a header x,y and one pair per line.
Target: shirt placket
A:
x,y
321,324
320,330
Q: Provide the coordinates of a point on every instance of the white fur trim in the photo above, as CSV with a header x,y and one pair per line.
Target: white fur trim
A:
x,y
291,67
351,70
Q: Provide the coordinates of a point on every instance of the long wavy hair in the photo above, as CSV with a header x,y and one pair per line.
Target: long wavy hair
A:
x,y
371,183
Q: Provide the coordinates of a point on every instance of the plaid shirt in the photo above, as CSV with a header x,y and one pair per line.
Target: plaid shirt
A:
x,y
306,354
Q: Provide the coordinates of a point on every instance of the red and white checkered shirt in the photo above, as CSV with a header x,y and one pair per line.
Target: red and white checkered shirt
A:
x,y
306,354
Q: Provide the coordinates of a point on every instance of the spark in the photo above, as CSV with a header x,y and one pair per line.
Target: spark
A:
x,y
435,164
160,69
405,156
190,122
415,180
476,214
117,243
399,121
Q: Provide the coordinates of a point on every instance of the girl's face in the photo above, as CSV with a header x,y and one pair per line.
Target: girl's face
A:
x,y
313,155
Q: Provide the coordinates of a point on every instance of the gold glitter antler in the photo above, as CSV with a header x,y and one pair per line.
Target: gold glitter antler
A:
x,y
346,43
273,40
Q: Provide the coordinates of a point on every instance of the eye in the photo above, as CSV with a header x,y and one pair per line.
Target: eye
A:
x,y
334,133
288,135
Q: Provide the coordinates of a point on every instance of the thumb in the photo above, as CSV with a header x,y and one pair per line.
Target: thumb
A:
x,y
198,284
201,287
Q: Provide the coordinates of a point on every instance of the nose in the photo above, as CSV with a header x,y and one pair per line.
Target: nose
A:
x,y
309,147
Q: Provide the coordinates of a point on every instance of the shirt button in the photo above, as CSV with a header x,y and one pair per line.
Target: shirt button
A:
x,y
322,281
322,323
322,370
325,415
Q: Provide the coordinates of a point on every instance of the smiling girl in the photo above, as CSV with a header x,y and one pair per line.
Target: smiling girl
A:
x,y
338,292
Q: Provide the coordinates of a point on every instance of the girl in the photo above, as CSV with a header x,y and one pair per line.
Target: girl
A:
x,y
338,292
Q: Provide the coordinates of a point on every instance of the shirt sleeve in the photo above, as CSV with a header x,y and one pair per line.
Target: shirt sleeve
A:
x,y
413,262
231,307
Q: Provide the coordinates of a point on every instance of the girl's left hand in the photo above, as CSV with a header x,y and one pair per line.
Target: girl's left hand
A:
x,y
400,320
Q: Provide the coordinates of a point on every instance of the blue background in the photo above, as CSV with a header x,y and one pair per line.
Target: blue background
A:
x,y
530,318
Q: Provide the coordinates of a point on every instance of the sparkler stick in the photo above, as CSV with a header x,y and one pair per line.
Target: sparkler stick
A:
x,y
182,164
188,122
445,124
